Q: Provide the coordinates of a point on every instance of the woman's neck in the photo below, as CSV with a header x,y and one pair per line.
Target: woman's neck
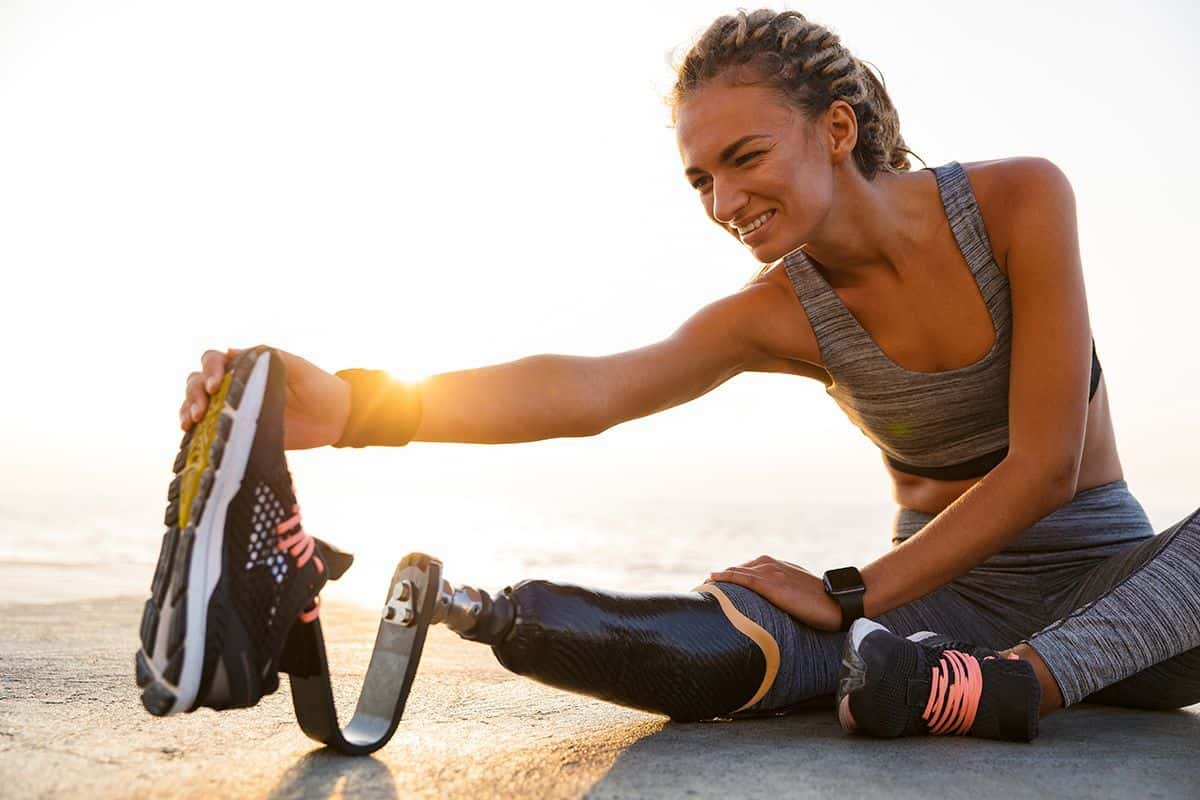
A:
x,y
872,224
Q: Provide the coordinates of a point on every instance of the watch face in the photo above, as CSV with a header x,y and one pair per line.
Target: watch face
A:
x,y
842,580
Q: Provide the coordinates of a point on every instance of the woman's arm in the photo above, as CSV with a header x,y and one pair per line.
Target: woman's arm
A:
x,y
541,397
1048,401
548,396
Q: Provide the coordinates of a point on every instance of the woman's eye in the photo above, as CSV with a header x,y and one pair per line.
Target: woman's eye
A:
x,y
699,183
743,159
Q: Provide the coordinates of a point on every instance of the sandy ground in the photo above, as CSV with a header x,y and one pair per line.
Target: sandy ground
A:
x,y
71,725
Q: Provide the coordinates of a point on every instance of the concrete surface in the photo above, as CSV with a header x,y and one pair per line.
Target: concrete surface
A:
x,y
71,725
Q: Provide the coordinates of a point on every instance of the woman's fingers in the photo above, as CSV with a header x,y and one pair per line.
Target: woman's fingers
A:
x,y
202,384
212,363
768,561
195,388
740,575
761,568
757,562
193,396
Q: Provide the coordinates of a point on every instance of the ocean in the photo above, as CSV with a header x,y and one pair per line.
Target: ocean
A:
x,y
105,529
67,534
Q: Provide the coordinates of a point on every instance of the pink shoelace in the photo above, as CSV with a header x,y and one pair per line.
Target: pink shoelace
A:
x,y
302,547
954,696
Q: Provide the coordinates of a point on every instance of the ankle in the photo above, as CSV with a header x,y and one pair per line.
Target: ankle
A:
x,y
1052,699
1008,701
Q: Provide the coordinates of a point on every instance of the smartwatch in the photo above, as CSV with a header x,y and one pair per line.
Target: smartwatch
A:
x,y
845,585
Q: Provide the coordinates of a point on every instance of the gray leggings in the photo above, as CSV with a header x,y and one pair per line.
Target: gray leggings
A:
x,y
1112,609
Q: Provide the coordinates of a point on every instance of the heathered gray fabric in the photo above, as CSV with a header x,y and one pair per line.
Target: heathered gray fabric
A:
x,y
1116,610
1137,615
927,419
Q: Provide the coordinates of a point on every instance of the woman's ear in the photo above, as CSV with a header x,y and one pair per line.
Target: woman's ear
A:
x,y
841,130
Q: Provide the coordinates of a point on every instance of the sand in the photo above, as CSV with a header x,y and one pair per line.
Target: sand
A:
x,y
71,725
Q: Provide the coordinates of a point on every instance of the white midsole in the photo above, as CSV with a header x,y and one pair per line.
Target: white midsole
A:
x,y
860,629
205,568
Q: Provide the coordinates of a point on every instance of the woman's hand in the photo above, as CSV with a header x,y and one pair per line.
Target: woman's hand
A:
x,y
788,586
317,404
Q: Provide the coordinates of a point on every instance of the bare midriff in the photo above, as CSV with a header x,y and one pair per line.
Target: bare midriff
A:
x,y
1098,466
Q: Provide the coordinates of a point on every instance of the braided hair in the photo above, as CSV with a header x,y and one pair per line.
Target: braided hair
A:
x,y
808,64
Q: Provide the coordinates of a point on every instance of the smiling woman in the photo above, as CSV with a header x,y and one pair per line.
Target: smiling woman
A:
x,y
808,74
944,311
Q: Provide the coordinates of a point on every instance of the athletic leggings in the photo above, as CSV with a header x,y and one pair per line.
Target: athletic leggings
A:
x,y
1112,609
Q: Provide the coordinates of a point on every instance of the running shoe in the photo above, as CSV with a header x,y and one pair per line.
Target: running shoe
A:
x,y
940,641
930,684
236,567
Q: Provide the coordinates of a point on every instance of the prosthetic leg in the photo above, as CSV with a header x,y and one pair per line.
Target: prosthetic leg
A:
x,y
690,656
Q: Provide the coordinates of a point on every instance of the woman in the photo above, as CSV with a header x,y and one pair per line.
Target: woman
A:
x,y
943,309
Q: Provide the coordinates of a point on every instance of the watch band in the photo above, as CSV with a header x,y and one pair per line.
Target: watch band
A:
x,y
852,607
845,586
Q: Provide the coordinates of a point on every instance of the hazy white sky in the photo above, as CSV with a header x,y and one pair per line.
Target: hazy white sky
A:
x,y
432,187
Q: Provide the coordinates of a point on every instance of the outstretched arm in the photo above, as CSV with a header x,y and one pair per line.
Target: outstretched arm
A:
x,y
549,396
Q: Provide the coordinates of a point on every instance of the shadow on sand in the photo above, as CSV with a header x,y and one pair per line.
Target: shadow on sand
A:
x,y
1086,752
324,773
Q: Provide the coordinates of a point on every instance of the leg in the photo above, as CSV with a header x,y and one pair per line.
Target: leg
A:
x,y
720,650
1135,630
1051,696
689,655
1134,633
643,650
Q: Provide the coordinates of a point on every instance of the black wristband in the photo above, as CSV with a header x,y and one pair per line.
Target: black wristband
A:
x,y
383,411
845,586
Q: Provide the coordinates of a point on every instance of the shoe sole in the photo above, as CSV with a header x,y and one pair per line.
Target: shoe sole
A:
x,y
209,470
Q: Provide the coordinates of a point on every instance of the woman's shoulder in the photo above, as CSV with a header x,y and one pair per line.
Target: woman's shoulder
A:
x,y
1004,188
778,324
1006,179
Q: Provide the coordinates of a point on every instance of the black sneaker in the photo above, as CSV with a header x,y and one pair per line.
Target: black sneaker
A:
x,y
929,684
236,568
940,641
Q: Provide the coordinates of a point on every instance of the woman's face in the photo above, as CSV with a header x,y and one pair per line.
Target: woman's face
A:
x,y
757,164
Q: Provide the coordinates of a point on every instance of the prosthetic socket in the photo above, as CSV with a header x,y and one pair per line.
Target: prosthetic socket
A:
x,y
690,656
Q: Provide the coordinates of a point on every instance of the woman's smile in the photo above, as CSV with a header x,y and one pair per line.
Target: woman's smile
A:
x,y
749,155
756,229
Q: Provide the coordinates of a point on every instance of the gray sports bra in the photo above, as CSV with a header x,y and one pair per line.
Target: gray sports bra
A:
x,y
948,425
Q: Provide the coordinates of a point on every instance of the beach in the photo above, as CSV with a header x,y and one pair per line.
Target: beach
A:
x,y
393,187
71,725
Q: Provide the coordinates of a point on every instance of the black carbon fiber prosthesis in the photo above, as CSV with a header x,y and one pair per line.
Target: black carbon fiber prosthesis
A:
x,y
690,656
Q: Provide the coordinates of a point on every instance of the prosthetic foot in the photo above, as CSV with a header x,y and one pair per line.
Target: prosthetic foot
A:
x,y
411,606
690,656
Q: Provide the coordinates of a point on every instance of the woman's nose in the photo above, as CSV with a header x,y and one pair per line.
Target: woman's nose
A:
x,y
728,201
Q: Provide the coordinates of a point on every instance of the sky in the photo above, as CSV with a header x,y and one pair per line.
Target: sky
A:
x,y
425,188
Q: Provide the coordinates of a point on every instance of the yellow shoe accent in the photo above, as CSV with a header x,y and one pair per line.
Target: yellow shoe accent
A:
x,y
198,449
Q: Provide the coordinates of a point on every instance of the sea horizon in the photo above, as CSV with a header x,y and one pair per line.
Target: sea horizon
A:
x,y
70,544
